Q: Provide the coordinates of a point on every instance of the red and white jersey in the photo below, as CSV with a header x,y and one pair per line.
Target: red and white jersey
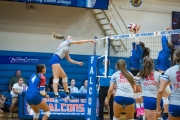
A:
x,y
173,76
123,87
150,84
63,48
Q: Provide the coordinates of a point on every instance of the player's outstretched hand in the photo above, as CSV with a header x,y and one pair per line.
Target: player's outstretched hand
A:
x,y
93,41
80,63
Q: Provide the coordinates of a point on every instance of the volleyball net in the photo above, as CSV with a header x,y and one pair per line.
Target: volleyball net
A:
x,y
120,46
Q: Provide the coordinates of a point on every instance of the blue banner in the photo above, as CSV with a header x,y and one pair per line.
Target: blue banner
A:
x,y
92,91
175,26
19,60
94,4
72,107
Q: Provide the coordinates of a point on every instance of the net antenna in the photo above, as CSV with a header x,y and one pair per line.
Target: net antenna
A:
x,y
106,54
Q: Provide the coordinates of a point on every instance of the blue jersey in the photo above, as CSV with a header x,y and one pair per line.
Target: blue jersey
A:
x,y
105,81
136,57
164,57
35,82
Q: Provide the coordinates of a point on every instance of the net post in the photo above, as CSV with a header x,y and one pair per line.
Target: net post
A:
x,y
109,42
106,54
95,37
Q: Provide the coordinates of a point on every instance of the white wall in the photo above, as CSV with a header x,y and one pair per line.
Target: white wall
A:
x,y
30,30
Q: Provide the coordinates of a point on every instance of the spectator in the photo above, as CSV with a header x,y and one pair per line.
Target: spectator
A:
x,y
83,88
72,88
15,79
2,100
104,87
16,89
50,85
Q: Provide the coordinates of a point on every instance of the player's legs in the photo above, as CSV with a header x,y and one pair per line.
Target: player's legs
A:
x,y
165,105
174,118
56,75
43,105
150,114
129,111
117,108
64,79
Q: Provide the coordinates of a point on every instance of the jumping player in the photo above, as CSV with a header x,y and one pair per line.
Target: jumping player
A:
x,y
138,53
171,76
36,91
61,52
149,80
163,63
125,87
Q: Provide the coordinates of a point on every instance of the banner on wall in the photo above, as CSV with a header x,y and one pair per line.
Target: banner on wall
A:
x,y
176,25
93,4
72,107
19,60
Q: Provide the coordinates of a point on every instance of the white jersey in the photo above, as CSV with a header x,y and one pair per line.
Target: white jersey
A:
x,y
63,48
123,87
173,76
150,84
18,88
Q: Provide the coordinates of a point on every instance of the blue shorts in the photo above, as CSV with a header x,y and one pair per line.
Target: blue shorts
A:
x,y
55,59
174,110
150,103
33,98
123,100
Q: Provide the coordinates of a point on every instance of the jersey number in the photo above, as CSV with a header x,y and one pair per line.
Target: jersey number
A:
x,y
150,77
178,76
33,79
122,76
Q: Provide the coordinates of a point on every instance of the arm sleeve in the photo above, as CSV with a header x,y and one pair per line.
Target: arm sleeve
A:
x,y
42,83
10,82
139,52
113,79
165,77
164,41
133,45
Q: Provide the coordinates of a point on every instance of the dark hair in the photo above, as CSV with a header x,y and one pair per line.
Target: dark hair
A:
x,y
84,81
121,65
171,47
148,66
39,68
20,78
146,51
176,57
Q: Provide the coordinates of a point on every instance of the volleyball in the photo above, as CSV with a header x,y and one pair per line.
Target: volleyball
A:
x,y
132,27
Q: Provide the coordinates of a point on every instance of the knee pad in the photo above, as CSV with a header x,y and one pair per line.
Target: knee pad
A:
x,y
137,95
47,113
56,80
36,115
65,79
165,100
114,118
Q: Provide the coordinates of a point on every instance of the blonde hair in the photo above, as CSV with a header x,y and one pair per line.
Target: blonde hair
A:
x,y
58,36
121,65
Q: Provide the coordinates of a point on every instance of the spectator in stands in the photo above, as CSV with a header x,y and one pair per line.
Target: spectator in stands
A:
x,y
15,79
16,89
50,85
104,87
83,88
72,87
2,100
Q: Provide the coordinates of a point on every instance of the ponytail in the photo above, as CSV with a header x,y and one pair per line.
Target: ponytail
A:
x,y
121,65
